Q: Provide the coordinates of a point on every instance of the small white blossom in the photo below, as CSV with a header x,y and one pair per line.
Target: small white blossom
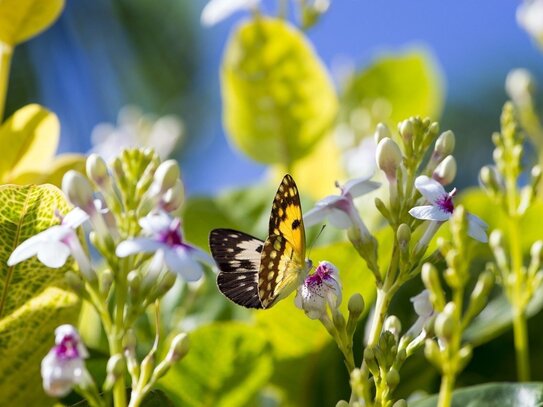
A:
x,y
217,10
64,367
340,209
441,207
319,289
424,310
54,245
530,17
165,237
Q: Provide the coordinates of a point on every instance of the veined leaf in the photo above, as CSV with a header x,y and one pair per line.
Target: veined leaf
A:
x,y
32,302
227,365
22,19
28,140
278,99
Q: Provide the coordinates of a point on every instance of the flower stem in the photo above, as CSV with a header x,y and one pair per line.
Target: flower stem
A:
x,y
521,344
116,338
445,390
6,51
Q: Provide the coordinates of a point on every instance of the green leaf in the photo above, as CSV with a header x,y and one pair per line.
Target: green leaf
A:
x,y
491,395
23,19
278,99
227,365
32,302
409,82
54,172
28,140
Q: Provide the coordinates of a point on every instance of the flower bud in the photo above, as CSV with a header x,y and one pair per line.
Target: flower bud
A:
x,y
371,361
393,325
75,283
403,235
406,130
496,242
106,280
464,356
339,320
392,378
134,283
115,368
430,279
490,179
78,190
97,170
381,132
445,324
479,295
166,175
165,284
536,252
432,353
178,348
356,305
445,172
173,197
535,180
389,157
520,86
400,403
342,403
445,144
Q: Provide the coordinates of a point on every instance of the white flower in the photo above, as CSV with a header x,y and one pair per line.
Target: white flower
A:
x,y
54,245
135,129
424,310
360,160
520,85
319,289
340,209
530,17
64,367
441,207
217,10
165,237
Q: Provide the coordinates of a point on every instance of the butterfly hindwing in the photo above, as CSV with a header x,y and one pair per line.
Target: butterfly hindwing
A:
x,y
281,270
238,257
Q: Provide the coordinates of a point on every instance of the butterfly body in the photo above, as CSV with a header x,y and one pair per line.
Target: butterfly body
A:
x,y
256,273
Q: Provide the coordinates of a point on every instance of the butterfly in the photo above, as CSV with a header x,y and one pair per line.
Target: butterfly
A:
x,y
256,273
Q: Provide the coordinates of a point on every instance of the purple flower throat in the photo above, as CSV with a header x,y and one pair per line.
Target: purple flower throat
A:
x,y
445,203
322,273
172,236
67,348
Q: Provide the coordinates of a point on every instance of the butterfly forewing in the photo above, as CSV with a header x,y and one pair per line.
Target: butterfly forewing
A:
x,y
286,215
238,257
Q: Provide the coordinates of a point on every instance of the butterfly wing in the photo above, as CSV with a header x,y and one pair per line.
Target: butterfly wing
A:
x,y
282,263
238,256
281,270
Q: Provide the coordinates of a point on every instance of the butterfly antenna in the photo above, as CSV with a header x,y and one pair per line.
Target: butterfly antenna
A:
x,y
314,241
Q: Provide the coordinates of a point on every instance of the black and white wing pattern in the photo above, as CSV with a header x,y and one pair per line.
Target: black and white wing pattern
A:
x,y
237,255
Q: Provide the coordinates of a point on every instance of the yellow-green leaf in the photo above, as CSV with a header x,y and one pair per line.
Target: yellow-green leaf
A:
x,y
278,99
23,19
55,171
28,141
32,301
410,83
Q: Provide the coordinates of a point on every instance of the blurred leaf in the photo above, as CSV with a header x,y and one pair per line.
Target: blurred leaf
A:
x,y
23,19
410,82
278,99
32,304
54,172
28,140
491,395
227,365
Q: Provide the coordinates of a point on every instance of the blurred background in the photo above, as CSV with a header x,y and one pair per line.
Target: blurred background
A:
x,y
105,54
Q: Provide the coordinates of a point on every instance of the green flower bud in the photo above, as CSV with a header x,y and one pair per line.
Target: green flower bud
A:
x,y
78,190
432,353
392,378
403,235
445,144
356,305
76,284
371,361
406,130
496,242
446,324
536,253
464,356
134,283
535,179
389,157
479,295
430,278
401,356
381,132
97,170
339,320
445,172
166,175
342,403
178,348
116,367
490,180
400,403
165,284
106,280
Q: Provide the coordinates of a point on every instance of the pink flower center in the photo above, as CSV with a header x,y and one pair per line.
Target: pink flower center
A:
x,y
67,348
445,203
321,274
172,236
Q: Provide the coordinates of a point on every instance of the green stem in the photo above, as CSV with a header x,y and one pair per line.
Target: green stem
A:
x,y
521,344
446,389
116,338
6,51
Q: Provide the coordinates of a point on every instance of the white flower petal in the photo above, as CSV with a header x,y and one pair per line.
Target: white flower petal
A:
x,y
75,218
340,219
422,305
218,10
25,250
429,188
316,215
156,222
429,212
138,245
53,254
201,256
360,186
477,228
179,261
